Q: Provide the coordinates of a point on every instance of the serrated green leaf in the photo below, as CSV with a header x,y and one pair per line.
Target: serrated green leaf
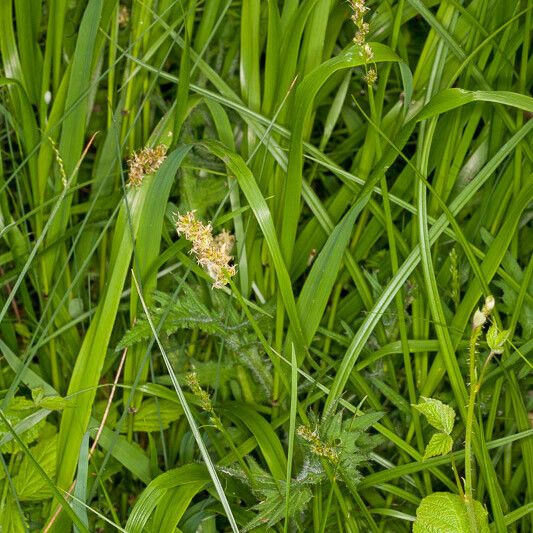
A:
x,y
154,415
53,403
11,520
19,404
22,415
272,494
438,414
439,444
496,339
28,484
272,508
445,512
186,313
179,316
220,320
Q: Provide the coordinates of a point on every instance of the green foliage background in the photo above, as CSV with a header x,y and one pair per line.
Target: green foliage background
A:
x,y
370,222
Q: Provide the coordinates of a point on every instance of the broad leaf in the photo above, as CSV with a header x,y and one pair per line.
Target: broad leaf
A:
x,y
496,339
154,415
28,484
439,444
19,413
445,512
438,414
53,403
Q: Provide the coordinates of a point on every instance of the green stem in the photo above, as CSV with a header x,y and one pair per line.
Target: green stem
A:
x,y
484,369
457,478
475,385
328,507
220,426
470,412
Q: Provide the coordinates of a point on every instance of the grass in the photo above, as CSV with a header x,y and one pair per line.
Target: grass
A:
x,y
371,219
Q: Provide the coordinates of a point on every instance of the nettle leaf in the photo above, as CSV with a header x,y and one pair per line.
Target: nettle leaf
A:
x,y
443,511
220,320
154,415
53,403
186,313
439,444
272,508
11,520
496,339
345,442
272,494
438,414
28,483
20,410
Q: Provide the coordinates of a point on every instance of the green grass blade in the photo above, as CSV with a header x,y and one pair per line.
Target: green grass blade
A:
x,y
190,419
192,478
91,357
408,266
80,490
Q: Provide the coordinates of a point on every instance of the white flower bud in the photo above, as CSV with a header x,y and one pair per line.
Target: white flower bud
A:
x,y
479,319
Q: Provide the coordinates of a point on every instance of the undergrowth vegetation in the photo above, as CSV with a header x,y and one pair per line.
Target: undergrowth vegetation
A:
x,y
266,266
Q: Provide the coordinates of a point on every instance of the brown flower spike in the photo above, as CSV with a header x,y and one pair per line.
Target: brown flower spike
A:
x,y
212,253
143,162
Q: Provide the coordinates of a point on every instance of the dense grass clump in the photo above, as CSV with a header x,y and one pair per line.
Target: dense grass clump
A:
x,y
266,266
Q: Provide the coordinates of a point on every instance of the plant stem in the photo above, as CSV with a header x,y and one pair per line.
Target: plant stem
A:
x,y
457,478
475,385
470,412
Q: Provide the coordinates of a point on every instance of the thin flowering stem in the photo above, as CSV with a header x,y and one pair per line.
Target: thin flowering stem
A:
x,y
207,405
362,28
479,319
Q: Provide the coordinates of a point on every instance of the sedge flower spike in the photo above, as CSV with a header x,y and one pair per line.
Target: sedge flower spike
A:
x,y
317,447
123,16
205,401
143,162
362,28
212,253
371,76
